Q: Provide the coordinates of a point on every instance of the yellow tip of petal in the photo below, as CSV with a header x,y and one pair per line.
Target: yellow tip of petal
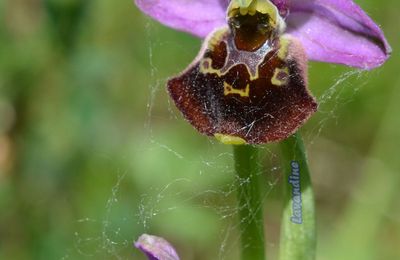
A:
x,y
251,7
229,139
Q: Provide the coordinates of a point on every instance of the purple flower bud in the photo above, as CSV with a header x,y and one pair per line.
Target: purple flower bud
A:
x,y
156,248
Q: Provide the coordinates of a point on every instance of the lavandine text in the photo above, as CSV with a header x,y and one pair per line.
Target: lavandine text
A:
x,y
294,181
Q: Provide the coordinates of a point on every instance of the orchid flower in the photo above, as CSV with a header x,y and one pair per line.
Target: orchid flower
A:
x,y
249,82
248,85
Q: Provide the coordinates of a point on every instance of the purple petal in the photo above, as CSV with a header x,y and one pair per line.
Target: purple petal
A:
x,y
338,31
156,248
198,17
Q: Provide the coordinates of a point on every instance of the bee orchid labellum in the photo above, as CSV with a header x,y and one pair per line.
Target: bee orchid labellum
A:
x,y
249,81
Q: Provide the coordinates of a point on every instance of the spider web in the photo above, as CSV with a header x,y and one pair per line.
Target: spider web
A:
x,y
214,170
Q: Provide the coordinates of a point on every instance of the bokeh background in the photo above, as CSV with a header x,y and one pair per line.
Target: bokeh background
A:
x,y
93,153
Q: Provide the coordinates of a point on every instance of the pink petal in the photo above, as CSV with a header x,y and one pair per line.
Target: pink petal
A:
x,y
198,17
338,31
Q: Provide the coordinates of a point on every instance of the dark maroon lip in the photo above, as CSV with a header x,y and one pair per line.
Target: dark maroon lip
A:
x,y
261,107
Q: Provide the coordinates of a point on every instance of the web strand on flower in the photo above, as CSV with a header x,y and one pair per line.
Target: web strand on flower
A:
x,y
210,188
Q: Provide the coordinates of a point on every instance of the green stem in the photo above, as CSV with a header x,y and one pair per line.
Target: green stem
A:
x,y
298,235
250,202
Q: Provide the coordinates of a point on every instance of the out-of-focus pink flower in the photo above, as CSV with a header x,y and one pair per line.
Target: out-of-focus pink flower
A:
x,y
156,248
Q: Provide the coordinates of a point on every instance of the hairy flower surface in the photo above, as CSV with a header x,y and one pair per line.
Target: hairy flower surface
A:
x,y
249,82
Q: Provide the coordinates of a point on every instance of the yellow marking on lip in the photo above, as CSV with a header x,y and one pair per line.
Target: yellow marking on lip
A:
x,y
251,7
275,80
216,38
206,67
229,139
228,90
283,50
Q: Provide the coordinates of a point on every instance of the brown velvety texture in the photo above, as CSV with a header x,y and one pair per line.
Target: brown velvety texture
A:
x,y
219,93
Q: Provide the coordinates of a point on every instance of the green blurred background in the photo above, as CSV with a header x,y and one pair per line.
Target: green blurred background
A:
x,y
93,153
